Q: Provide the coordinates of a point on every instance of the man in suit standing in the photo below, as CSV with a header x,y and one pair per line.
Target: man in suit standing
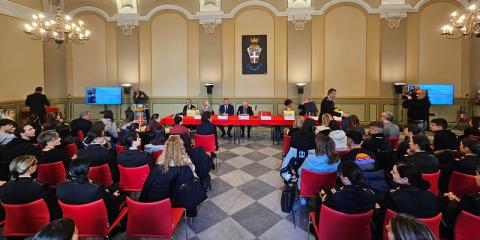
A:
x,y
226,109
328,106
82,123
188,106
37,102
140,97
245,110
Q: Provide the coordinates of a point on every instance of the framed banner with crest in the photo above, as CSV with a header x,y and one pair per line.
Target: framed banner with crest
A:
x,y
254,54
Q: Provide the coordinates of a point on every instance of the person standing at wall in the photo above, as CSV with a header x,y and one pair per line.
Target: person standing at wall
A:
x,y
140,97
37,103
418,108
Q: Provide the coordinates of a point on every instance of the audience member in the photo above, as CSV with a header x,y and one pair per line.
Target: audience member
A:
x,y
420,156
324,126
50,153
23,188
304,139
353,123
132,156
37,103
129,119
338,136
154,123
7,128
226,109
53,122
178,128
402,148
66,136
98,152
468,163
188,106
473,127
110,125
59,229
207,127
79,190
34,121
364,158
411,196
157,142
390,130
82,123
443,139
354,196
377,144
245,110
406,227
297,125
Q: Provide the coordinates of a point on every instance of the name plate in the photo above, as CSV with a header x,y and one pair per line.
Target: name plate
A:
x,y
222,117
314,118
265,117
243,117
288,117
197,117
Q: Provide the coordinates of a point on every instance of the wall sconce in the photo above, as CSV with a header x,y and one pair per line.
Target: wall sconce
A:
x,y
209,87
398,86
300,87
127,87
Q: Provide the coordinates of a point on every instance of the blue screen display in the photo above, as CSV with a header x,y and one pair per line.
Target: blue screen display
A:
x,y
437,93
103,95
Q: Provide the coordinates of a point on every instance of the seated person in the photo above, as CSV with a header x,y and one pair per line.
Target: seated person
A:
x,y
420,156
82,123
377,144
110,125
473,127
59,229
355,196
443,139
226,109
363,158
409,131
390,130
153,123
403,226
173,168
325,158
178,128
7,130
353,123
129,119
79,190
99,153
324,127
411,196
157,142
66,136
207,127
297,125
205,107
245,110
23,189
338,136
50,152
188,106
468,163
132,157
304,139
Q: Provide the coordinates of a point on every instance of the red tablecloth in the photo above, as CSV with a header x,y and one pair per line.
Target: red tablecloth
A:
x,y
232,120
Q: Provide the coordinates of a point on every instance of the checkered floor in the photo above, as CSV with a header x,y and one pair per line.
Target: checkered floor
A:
x,y
245,199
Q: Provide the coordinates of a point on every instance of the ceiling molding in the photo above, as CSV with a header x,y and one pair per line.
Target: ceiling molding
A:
x,y
16,10
420,4
254,3
91,9
167,7
332,3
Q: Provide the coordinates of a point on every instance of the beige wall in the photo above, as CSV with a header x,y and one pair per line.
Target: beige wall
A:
x,y
128,57
21,60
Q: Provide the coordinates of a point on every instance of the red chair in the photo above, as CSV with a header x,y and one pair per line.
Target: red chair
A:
x,y
466,227
71,149
207,142
155,155
432,178
337,225
119,148
312,182
51,173
80,135
91,219
101,175
24,220
433,223
393,143
132,179
286,144
152,220
475,138
461,184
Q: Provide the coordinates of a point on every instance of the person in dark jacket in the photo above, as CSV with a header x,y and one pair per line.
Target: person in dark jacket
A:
x,y
207,127
50,153
23,188
37,103
79,190
443,139
378,145
410,131
473,128
468,163
245,110
327,105
362,157
420,156
355,196
418,106
82,123
226,109
132,157
188,106
411,196
308,108
21,145
304,139
99,153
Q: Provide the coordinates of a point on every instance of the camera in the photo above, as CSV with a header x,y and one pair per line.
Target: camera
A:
x,y
412,93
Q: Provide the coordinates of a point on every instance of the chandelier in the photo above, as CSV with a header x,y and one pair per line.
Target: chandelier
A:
x,y
61,29
466,26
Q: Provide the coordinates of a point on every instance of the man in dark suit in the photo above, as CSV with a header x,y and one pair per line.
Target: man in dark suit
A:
x,y
207,127
327,105
188,106
37,102
226,109
245,110
308,107
82,123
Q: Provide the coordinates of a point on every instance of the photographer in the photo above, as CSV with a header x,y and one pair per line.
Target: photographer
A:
x,y
418,108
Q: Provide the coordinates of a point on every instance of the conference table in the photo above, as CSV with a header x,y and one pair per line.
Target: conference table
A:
x,y
236,121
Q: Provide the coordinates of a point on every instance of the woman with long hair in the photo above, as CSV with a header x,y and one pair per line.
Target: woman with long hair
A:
x,y
354,124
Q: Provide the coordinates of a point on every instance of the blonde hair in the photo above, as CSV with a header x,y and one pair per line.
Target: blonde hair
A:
x,y
326,118
298,122
174,151
21,164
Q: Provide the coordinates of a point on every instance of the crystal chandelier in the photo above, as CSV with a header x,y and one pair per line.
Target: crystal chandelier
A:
x,y
61,29
466,26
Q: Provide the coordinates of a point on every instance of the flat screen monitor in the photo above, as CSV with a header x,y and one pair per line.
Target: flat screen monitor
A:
x,y
439,94
104,95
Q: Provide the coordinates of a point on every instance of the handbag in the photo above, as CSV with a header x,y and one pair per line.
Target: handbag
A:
x,y
191,194
288,198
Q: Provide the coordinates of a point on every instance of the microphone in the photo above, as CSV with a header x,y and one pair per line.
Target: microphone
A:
x,y
255,107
